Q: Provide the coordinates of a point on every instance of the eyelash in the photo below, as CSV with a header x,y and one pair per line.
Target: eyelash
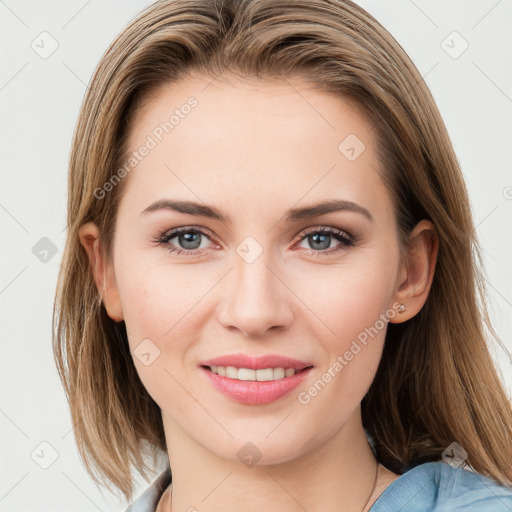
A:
x,y
343,237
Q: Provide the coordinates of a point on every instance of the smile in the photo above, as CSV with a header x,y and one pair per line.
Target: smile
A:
x,y
255,392
261,375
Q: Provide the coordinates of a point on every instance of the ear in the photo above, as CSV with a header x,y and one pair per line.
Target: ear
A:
x,y
416,275
103,272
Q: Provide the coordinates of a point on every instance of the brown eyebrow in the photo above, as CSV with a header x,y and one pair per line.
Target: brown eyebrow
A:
x,y
188,207
293,215
334,205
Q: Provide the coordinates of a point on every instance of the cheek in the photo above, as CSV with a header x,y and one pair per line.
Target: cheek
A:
x,y
163,308
354,304
156,319
347,299
353,357
157,296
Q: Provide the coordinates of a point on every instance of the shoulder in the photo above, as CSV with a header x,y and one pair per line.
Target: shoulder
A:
x,y
149,499
439,487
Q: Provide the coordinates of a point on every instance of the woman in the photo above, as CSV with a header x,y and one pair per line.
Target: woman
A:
x,y
271,277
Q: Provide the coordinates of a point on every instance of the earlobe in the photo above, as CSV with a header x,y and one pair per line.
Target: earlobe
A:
x,y
89,236
416,277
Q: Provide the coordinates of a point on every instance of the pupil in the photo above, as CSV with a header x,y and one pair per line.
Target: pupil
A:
x,y
323,244
186,240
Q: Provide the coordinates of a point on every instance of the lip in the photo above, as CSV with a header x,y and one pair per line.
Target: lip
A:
x,y
256,392
251,392
257,363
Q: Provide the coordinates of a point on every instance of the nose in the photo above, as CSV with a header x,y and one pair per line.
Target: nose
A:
x,y
257,298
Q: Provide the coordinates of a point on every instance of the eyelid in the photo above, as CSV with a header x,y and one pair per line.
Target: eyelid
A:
x,y
165,236
171,233
345,239
348,239
326,229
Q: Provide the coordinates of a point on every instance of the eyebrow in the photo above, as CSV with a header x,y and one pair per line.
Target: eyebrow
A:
x,y
293,215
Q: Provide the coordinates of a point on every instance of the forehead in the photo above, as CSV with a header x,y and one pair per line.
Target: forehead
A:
x,y
226,138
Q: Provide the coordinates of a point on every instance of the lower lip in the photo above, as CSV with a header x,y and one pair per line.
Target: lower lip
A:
x,y
252,392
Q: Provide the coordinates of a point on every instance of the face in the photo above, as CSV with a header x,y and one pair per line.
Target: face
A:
x,y
247,273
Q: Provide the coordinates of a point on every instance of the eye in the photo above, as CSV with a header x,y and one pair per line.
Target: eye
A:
x,y
320,240
188,238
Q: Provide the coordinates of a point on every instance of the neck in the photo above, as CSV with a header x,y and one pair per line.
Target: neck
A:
x,y
336,475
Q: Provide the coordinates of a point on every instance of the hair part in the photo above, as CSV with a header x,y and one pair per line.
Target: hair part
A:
x,y
436,383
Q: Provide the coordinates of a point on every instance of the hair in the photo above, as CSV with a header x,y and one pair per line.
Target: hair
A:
x,y
436,383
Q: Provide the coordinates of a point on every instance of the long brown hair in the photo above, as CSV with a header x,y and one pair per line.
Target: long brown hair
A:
x,y
436,383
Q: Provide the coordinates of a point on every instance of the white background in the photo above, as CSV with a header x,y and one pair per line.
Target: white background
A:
x,y
39,103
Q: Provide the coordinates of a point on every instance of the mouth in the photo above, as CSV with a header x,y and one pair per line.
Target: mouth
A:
x,y
255,380
255,375
255,386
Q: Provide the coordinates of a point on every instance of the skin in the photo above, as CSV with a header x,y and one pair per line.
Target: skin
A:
x,y
256,149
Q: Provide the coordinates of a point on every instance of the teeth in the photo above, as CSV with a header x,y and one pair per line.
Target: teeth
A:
x,y
231,372
278,373
245,374
265,374
255,375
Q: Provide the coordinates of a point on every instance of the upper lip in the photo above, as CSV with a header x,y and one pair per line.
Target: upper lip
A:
x,y
257,363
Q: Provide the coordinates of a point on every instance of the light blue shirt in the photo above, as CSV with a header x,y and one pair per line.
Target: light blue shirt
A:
x,y
429,487
438,487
